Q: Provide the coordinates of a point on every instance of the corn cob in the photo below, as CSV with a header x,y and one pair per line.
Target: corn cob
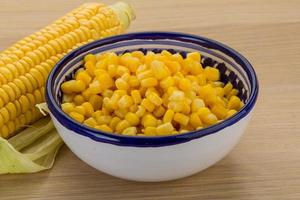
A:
x,y
24,66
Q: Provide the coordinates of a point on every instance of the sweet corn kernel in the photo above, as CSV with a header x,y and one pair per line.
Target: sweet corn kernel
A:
x,y
133,108
148,105
201,79
136,96
121,84
114,122
89,109
177,95
154,98
125,102
105,80
96,101
90,57
233,92
219,111
149,82
121,112
196,104
122,125
140,111
210,119
122,70
159,69
181,119
67,107
104,127
195,120
90,122
84,77
203,111
227,88
77,116
167,82
234,103
230,113
90,67
130,131
159,112
132,118
133,81
150,131
164,129
173,66
80,109
86,94
194,56
78,99
95,87
149,120
212,74
176,106
72,86
168,116
185,84
103,119
107,93
112,70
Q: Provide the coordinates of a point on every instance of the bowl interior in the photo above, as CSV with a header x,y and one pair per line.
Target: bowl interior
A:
x,y
232,66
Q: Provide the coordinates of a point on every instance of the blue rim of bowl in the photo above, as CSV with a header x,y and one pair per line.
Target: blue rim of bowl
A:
x,y
155,141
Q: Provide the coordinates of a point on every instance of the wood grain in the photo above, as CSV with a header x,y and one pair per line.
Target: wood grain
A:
x,y
264,165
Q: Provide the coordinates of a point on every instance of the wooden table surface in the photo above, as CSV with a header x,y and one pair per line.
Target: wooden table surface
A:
x,y
264,165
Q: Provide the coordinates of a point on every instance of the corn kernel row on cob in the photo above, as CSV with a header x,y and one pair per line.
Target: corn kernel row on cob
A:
x,y
24,67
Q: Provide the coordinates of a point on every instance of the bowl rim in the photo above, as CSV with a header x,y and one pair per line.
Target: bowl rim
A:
x,y
147,141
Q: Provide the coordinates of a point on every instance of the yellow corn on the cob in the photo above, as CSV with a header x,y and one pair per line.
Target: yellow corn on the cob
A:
x,y
24,66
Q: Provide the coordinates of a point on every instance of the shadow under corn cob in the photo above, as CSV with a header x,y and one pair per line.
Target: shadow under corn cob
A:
x,y
24,67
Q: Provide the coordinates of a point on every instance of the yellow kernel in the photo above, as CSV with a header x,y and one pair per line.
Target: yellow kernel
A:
x,y
112,70
77,116
80,110
176,106
96,101
90,122
122,70
168,116
196,104
105,80
136,96
103,119
140,111
227,88
159,112
233,92
219,111
154,98
133,81
149,82
185,84
121,126
210,119
89,109
234,103
177,95
159,69
148,105
132,118
203,111
230,113
194,56
104,127
121,84
164,129
125,102
150,131
133,108
86,94
67,107
121,112
130,131
173,66
138,54
95,87
90,57
181,119
149,120
90,67
78,99
84,77
167,82
131,62
195,120
144,74
212,74
201,79
114,122
72,86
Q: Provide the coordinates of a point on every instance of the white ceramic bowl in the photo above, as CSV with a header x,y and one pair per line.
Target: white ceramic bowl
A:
x,y
155,158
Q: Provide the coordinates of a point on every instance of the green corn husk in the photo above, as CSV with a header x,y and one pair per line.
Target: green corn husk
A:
x,y
32,150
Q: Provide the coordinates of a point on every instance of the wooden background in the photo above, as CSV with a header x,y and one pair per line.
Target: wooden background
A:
x,y
264,165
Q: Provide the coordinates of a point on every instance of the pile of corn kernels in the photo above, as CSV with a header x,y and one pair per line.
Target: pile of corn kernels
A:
x,y
148,95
